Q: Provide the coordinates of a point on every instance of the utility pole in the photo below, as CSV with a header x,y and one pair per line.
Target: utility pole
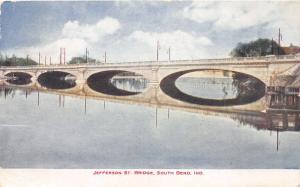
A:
x,y
60,56
50,60
157,48
169,54
45,60
105,57
27,59
39,58
86,55
272,46
64,55
279,39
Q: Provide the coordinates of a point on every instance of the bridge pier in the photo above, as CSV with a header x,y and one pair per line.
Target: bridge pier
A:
x,y
2,74
154,76
80,77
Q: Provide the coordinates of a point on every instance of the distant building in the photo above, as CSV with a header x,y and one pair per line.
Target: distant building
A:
x,y
291,50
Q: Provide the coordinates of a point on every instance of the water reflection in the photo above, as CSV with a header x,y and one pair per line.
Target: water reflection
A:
x,y
280,120
273,119
4,92
118,83
130,83
12,91
57,80
209,88
213,87
90,126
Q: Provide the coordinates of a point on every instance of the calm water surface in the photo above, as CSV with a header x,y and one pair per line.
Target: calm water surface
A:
x,y
43,130
210,88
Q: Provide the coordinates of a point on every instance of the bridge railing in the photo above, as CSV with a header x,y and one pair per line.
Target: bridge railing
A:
x,y
216,60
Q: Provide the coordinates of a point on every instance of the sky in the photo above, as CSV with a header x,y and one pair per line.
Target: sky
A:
x,y
129,31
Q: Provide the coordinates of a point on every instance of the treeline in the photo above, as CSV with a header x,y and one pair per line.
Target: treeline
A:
x,y
16,61
83,60
259,47
19,61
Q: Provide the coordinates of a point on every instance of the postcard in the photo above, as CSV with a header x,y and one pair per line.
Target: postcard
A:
x,y
150,93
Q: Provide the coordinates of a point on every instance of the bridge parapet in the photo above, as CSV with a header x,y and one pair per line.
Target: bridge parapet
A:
x,y
234,60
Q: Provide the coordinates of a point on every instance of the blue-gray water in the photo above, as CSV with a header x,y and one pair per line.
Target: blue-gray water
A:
x,y
114,135
222,88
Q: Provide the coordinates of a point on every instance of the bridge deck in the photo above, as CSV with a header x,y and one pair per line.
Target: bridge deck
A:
x,y
205,62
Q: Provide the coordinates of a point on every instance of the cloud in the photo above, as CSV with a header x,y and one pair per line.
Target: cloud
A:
x,y
240,15
236,16
182,44
170,38
74,47
137,45
213,30
231,15
91,33
287,18
75,37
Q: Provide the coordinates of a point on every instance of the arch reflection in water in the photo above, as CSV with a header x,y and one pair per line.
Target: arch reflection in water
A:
x,y
117,83
18,78
213,87
57,80
281,120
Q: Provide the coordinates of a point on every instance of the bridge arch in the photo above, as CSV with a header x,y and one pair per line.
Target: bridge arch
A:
x,y
167,85
261,72
32,74
101,82
20,78
145,72
56,79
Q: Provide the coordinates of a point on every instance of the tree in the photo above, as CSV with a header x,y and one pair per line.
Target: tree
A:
x,y
16,61
77,60
259,47
81,60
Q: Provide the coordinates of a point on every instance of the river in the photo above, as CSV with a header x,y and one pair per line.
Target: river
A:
x,y
45,129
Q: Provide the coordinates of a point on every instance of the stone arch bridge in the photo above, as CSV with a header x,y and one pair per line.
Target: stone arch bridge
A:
x,y
263,68
260,67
